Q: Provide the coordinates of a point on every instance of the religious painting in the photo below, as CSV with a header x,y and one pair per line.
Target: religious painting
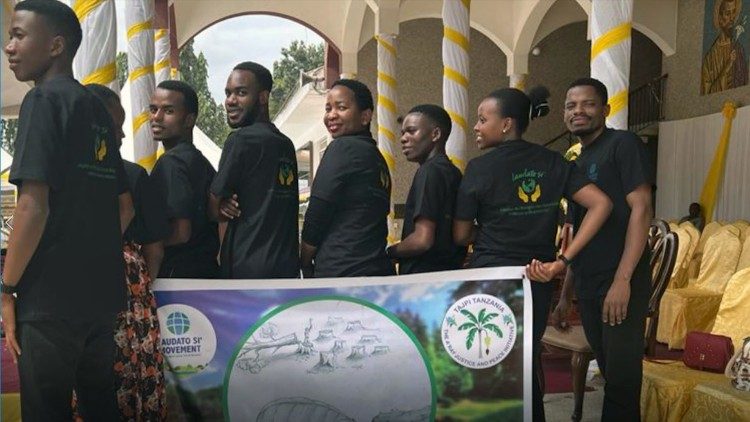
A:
x,y
726,45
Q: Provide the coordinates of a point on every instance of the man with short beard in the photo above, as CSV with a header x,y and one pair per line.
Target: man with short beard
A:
x,y
255,190
611,274
183,176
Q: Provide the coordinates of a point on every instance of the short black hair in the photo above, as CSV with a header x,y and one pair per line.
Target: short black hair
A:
x,y
513,103
187,91
61,20
599,87
262,75
437,116
362,94
104,94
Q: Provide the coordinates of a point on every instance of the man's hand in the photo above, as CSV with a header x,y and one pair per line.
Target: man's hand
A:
x,y
615,308
544,271
559,315
229,207
9,322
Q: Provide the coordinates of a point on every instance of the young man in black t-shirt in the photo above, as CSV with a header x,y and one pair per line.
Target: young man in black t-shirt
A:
x,y
65,252
258,175
427,240
611,274
183,176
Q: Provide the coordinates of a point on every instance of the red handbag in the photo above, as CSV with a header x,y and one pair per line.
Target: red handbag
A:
x,y
707,352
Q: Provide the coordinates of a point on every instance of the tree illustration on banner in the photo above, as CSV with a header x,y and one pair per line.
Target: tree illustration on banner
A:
x,y
477,325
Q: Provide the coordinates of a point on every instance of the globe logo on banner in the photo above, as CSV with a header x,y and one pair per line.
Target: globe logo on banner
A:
x,y
479,331
188,339
178,323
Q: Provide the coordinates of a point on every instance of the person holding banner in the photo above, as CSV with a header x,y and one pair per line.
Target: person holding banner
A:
x,y
612,276
427,243
346,227
256,190
183,176
513,192
62,279
139,363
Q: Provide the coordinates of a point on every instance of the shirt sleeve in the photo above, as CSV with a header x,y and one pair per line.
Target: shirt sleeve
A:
x,y
633,163
576,179
38,147
151,211
235,156
467,199
171,178
430,194
332,173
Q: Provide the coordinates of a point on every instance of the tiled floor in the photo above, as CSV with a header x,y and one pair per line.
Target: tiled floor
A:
x,y
559,407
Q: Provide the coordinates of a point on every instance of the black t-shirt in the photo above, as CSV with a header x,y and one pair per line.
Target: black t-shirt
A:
x,y
183,176
433,196
259,164
354,177
617,162
150,222
66,140
514,192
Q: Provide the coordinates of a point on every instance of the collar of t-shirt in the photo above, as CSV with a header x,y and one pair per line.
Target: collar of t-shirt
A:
x,y
182,145
511,143
364,135
606,132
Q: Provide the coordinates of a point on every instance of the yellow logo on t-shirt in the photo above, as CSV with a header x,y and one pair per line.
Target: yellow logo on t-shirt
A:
x,y
286,174
100,149
529,189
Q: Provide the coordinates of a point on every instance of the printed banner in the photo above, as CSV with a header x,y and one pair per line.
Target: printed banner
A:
x,y
440,346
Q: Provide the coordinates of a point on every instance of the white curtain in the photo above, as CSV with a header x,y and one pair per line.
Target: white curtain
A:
x,y
686,148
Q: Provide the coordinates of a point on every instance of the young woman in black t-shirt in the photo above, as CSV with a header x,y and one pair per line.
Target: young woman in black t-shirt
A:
x,y
513,192
346,227
139,363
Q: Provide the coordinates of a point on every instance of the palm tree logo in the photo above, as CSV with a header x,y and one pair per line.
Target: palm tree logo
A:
x,y
476,325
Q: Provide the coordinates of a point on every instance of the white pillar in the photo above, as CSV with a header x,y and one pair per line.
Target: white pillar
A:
x,y
456,28
611,26
95,60
518,81
139,15
388,127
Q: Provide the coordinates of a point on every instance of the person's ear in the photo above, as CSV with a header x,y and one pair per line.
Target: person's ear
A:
x,y
366,117
607,109
190,120
437,133
263,97
57,46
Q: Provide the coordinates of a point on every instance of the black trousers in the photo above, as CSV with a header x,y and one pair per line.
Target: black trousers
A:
x,y
541,294
619,353
58,356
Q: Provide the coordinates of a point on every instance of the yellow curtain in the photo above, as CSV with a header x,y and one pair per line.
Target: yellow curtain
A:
x,y
716,172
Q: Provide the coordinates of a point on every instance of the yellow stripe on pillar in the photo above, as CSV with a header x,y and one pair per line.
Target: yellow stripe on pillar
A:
x,y
101,76
455,76
140,120
387,132
137,28
458,119
614,36
83,8
387,103
390,80
457,37
388,46
618,102
137,73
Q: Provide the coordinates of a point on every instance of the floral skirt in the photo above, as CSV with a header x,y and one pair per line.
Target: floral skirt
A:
x,y
139,363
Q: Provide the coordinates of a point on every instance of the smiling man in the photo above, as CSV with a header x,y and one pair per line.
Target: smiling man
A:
x,y
255,190
427,239
183,176
611,274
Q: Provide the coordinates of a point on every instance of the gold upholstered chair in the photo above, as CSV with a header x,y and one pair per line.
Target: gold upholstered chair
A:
x,y
672,392
686,243
744,261
695,260
694,307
